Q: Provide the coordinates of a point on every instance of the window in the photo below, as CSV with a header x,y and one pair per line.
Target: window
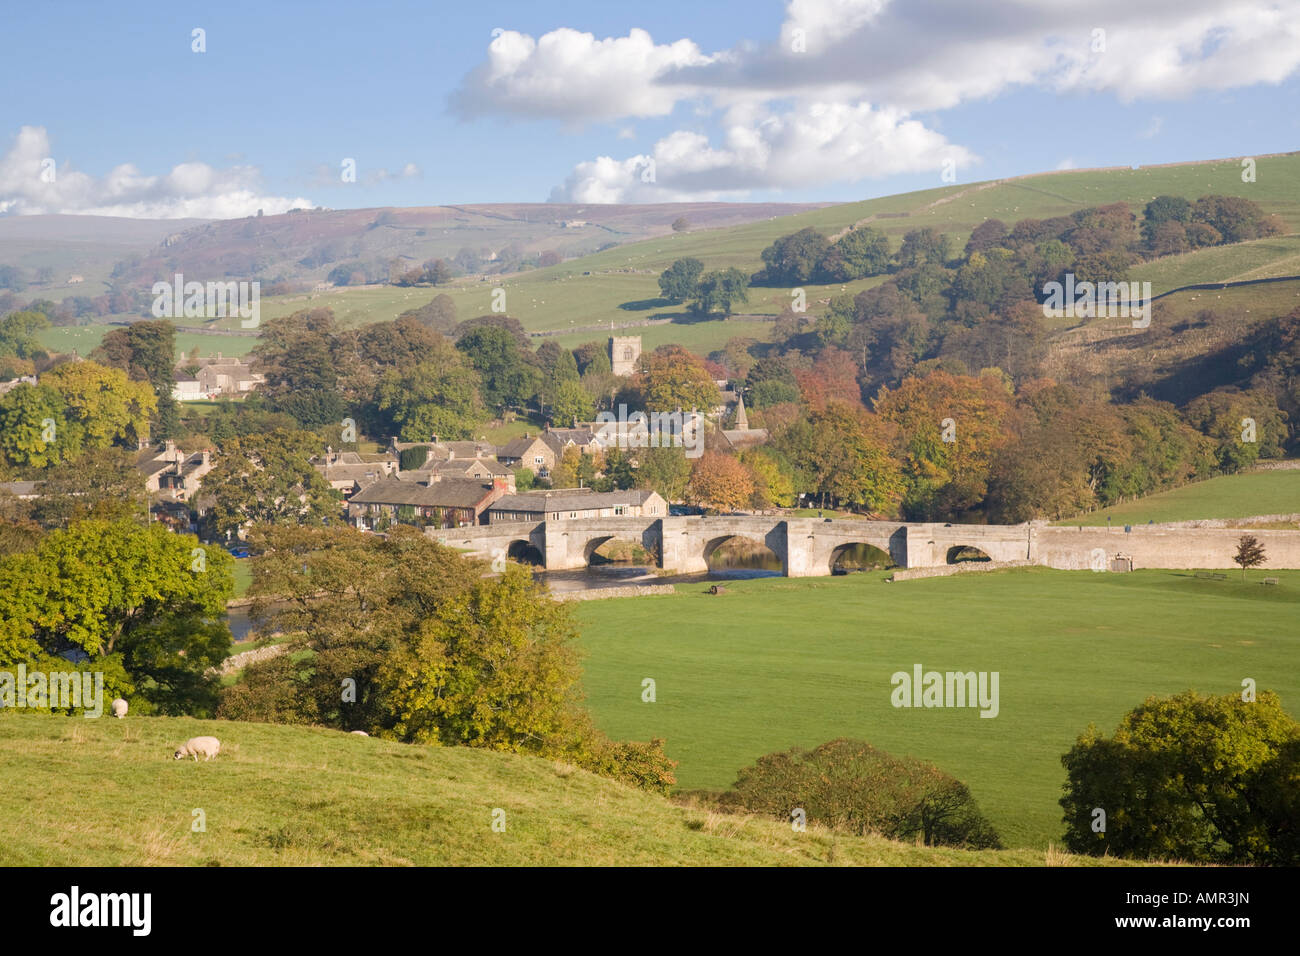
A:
x,y
539,460
619,509
627,354
573,514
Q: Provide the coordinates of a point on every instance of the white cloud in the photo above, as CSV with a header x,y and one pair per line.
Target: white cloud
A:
x,y
576,77
1067,163
813,143
901,57
188,190
1153,129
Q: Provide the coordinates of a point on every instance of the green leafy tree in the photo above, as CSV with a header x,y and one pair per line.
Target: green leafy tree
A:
x,y
268,479
672,378
678,281
28,414
437,397
1197,779
666,470
145,603
859,253
795,258
720,291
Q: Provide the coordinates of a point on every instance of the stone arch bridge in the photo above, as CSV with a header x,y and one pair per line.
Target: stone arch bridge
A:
x,y
805,546
808,547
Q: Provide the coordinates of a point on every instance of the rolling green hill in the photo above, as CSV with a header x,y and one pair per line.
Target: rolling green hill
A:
x,y
578,299
76,792
1228,496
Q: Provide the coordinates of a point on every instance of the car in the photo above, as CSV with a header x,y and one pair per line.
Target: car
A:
x,y
237,551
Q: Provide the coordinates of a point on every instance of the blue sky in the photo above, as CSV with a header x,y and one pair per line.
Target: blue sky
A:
x,y
434,109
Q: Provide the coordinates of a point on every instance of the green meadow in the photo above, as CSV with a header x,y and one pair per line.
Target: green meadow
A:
x,y
1228,496
777,663
77,792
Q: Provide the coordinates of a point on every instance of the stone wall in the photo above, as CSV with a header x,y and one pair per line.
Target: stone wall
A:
x,y
629,590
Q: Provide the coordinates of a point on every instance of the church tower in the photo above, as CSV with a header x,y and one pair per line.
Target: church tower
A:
x,y
624,351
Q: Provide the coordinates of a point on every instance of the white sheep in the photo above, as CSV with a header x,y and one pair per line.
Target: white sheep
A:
x,y
119,707
208,746
360,733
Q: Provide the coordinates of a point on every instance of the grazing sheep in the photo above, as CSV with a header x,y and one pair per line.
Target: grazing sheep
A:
x,y
360,733
119,707
208,746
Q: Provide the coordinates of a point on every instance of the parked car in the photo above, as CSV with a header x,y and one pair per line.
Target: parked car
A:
x,y
237,551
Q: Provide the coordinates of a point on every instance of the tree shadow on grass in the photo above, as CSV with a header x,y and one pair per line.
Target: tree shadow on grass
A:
x,y
643,305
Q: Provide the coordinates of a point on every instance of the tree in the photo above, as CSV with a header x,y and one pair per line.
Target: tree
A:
x,y
18,333
773,482
439,314
439,396
508,377
145,603
857,254
681,224
146,351
678,281
102,483
794,259
27,415
673,378
108,408
1250,553
301,357
720,482
268,479
666,470
851,786
437,652
922,247
570,402
1198,779
719,291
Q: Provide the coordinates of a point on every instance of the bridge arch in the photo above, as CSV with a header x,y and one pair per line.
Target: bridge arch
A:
x,y
758,547
525,552
963,553
859,554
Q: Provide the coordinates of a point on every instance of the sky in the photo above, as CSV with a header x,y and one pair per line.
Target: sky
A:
x,y
112,109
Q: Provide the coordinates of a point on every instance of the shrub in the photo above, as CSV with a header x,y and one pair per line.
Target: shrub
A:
x,y
1202,779
849,785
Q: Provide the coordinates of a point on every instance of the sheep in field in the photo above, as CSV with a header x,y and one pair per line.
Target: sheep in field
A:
x,y
119,707
208,746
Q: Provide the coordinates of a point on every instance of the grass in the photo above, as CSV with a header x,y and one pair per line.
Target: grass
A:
x,y
777,663
106,792
243,577
85,338
1229,496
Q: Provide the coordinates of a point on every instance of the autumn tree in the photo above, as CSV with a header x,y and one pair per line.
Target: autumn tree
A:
x,y
671,378
1250,553
720,482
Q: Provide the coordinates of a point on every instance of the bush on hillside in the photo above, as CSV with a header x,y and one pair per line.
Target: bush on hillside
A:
x,y
849,785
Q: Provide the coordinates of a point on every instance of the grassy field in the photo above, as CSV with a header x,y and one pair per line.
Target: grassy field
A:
x,y
777,663
1259,259
84,338
76,792
1229,496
